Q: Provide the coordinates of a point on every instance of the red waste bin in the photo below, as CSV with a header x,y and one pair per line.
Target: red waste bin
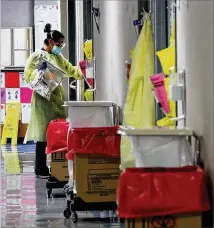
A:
x,y
146,192
57,136
96,140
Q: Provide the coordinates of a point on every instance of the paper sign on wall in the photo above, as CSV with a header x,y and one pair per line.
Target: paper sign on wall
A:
x,y
44,14
2,80
3,95
2,117
22,81
26,111
12,95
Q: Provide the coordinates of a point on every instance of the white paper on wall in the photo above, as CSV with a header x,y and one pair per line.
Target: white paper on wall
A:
x,y
23,84
2,80
12,95
44,14
2,116
39,33
26,111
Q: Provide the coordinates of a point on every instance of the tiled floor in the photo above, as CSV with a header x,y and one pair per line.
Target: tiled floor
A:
x,y
24,202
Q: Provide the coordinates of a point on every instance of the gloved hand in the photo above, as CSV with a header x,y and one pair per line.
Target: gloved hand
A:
x,y
42,66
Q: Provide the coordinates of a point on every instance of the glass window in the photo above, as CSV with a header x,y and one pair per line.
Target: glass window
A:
x,y
6,47
20,57
16,46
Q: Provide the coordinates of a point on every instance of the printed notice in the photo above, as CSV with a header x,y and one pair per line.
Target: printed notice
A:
x,y
103,184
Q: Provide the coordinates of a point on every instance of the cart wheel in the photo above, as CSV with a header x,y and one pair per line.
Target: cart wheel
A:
x,y
67,213
74,217
49,193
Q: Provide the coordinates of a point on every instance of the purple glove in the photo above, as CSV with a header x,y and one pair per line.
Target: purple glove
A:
x,y
43,66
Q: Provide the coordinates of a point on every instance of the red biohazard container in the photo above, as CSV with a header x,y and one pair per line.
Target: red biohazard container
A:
x,y
146,192
96,140
57,136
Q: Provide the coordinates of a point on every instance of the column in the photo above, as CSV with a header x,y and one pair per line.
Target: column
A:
x,y
111,48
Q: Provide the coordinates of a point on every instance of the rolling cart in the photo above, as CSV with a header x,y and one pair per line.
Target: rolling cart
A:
x,y
168,159
57,147
99,155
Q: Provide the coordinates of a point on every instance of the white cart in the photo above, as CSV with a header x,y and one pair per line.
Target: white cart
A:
x,y
88,114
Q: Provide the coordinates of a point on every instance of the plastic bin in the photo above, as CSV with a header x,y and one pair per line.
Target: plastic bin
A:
x,y
92,114
160,147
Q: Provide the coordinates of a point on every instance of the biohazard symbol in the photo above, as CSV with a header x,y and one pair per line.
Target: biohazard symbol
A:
x,y
167,221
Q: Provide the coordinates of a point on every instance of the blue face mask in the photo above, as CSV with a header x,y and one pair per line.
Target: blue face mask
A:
x,y
57,50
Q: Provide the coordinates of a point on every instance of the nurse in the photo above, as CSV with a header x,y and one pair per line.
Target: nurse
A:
x,y
43,110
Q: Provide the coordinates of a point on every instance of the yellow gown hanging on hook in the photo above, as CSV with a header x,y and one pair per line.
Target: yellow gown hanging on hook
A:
x,y
139,107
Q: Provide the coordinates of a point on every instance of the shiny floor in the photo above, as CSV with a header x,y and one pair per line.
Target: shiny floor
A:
x,y
24,202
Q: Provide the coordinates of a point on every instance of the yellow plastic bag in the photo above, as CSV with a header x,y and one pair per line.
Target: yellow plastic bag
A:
x,y
167,58
167,55
88,49
88,95
131,53
139,107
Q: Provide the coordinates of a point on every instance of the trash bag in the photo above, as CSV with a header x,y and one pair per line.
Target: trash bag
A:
x,y
145,192
57,136
97,140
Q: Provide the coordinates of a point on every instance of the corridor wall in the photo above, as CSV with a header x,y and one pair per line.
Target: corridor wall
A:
x,y
195,55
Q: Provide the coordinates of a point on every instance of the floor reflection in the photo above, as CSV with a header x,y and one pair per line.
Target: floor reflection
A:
x,y
24,203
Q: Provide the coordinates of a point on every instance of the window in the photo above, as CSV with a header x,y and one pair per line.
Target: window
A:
x,y
16,46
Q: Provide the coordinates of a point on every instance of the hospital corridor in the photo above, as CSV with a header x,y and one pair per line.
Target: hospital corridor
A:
x,y
107,114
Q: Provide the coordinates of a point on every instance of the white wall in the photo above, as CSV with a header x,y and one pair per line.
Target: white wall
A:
x,y
16,13
195,54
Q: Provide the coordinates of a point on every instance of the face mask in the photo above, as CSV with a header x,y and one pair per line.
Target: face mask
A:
x,y
56,50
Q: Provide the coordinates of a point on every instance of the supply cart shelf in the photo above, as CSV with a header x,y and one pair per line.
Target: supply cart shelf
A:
x,y
89,103
155,131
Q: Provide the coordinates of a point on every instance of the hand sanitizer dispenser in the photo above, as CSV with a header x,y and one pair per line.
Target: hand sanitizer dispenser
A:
x,y
176,87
